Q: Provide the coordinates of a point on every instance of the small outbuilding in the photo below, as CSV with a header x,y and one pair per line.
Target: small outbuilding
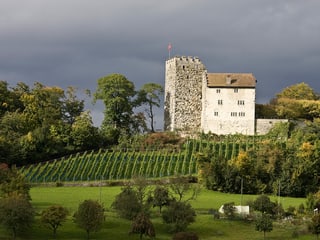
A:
x,y
242,210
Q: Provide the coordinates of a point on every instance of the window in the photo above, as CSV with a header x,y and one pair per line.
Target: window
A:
x,y
240,102
218,91
216,114
242,114
235,90
219,102
233,114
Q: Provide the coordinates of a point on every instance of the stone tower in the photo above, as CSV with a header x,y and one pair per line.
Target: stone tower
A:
x,y
183,94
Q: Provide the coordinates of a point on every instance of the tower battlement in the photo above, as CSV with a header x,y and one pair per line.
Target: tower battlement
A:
x,y
184,59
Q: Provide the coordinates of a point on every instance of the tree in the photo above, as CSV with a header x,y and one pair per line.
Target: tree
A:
x,y
149,95
127,203
299,91
181,186
117,93
313,201
143,226
264,205
84,135
45,133
12,127
10,98
16,213
89,216
12,182
72,106
264,224
160,197
178,215
141,187
43,105
265,111
297,101
138,124
53,217
245,165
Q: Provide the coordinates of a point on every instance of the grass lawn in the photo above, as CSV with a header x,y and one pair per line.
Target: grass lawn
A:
x,y
115,228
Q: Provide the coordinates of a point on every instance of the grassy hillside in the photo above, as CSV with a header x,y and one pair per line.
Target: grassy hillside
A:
x,y
115,228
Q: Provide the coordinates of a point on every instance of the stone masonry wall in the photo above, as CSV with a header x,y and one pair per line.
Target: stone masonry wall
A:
x,y
263,126
183,93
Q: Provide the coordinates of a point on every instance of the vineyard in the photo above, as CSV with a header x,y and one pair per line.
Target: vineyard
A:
x,y
116,165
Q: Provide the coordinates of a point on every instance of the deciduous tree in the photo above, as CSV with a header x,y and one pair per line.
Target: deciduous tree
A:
x,y
72,107
143,226
297,101
263,204
83,134
12,182
53,217
149,95
117,93
264,224
16,213
178,215
180,186
127,203
89,216
161,197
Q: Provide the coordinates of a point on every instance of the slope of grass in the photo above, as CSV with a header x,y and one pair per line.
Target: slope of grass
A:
x,y
205,226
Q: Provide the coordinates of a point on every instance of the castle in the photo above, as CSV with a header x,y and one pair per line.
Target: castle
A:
x,y
220,103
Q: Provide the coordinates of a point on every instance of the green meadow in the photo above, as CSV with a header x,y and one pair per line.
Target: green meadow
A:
x,y
116,228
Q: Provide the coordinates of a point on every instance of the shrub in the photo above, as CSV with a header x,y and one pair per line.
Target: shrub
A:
x,y
127,203
229,210
179,215
59,184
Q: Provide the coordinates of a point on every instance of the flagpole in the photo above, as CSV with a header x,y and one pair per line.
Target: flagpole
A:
x,y
169,49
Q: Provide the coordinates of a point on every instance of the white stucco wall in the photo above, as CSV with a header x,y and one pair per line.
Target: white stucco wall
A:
x,y
235,114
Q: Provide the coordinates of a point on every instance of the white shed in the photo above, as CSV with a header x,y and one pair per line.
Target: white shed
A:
x,y
242,210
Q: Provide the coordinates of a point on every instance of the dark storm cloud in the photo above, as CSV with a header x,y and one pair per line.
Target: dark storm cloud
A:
x,y
75,42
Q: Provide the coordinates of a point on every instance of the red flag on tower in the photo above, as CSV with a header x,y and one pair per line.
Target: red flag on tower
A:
x,y
169,48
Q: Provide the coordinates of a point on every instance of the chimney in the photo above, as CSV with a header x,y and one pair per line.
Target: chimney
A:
x,y
228,79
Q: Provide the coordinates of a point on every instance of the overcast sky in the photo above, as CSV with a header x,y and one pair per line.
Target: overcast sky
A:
x,y
74,42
